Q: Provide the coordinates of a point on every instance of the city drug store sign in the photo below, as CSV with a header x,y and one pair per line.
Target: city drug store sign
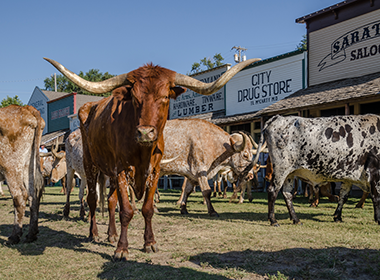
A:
x,y
191,103
256,88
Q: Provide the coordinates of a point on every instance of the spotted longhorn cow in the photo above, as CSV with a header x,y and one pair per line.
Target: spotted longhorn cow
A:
x,y
20,136
74,163
319,150
122,136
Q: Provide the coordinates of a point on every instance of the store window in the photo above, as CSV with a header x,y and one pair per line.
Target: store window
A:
x,y
370,108
340,111
241,127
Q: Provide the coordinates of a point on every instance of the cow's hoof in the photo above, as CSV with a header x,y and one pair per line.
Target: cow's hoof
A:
x,y
250,200
151,248
13,239
214,214
66,213
338,220
274,224
155,210
360,206
299,223
184,211
30,238
313,205
92,239
112,238
120,256
214,194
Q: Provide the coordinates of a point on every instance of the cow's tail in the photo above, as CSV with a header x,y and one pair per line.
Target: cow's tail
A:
x,y
37,173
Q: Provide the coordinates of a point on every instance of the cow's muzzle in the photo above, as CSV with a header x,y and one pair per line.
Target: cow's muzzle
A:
x,y
146,135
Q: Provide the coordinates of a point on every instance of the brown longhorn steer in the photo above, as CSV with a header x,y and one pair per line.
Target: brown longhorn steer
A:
x,y
122,136
20,136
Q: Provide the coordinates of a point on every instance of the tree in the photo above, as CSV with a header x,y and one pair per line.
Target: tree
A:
x,y
65,85
11,100
302,46
209,63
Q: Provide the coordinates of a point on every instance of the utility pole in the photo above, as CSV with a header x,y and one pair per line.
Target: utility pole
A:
x,y
55,81
239,58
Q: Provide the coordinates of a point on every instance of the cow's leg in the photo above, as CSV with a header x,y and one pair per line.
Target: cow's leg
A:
x,y
156,196
112,203
362,200
220,187
288,196
343,196
181,198
148,211
125,214
272,196
69,182
206,192
225,185
83,185
133,199
187,189
34,203
326,191
91,177
214,193
375,189
63,182
242,193
19,196
315,198
249,190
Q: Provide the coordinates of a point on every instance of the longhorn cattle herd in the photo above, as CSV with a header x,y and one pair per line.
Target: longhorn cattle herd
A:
x,y
125,142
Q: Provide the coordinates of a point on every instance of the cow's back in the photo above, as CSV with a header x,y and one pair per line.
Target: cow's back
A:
x,y
18,134
197,142
323,149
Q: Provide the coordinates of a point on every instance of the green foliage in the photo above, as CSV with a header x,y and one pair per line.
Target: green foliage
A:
x,y
303,44
65,85
11,100
208,63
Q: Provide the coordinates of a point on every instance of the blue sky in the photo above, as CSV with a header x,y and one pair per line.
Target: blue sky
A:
x,y
120,36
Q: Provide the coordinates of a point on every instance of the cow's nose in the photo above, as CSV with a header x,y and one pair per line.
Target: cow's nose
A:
x,y
146,134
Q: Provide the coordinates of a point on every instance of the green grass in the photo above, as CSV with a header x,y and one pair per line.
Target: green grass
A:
x,y
240,244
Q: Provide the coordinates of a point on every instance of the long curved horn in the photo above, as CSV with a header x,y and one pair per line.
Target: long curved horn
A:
x,y
164,161
93,87
210,88
254,144
55,153
45,154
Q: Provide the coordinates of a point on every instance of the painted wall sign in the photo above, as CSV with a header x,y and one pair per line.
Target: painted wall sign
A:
x,y
191,103
344,50
254,89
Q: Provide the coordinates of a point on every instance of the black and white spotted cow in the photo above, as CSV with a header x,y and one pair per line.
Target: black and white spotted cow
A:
x,y
319,150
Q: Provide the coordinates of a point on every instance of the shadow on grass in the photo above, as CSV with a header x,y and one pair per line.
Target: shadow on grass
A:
x,y
142,271
299,263
48,237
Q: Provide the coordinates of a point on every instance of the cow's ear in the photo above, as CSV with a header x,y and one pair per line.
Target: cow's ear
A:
x,y
176,91
123,93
